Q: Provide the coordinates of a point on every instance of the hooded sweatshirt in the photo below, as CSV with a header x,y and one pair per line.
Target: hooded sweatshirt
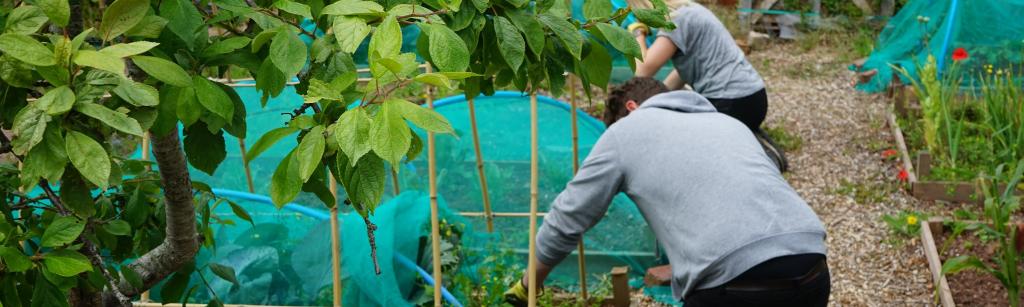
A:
x,y
713,198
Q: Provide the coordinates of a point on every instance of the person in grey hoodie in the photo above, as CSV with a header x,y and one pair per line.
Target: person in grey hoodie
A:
x,y
734,231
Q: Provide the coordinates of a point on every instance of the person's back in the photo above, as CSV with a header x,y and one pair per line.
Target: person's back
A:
x,y
708,58
715,201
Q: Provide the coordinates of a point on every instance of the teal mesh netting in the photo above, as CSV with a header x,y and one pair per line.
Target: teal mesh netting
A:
x,y
284,259
992,33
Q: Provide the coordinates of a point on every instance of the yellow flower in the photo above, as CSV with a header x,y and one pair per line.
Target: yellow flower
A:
x,y
911,219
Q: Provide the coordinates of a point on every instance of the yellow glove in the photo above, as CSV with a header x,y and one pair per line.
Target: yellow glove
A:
x,y
638,28
517,295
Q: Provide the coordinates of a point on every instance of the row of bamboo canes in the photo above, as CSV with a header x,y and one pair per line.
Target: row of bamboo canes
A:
x,y
488,215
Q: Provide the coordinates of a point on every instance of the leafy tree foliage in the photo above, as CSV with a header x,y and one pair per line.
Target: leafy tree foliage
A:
x,y
82,85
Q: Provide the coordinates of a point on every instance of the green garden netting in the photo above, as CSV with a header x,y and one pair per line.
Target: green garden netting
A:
x,y
991,32
284,259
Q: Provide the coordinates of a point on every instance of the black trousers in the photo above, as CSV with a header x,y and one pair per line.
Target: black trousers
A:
x,y
751,110
813,292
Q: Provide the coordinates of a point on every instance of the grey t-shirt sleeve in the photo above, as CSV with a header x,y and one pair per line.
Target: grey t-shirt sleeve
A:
x,y
582,204
680,36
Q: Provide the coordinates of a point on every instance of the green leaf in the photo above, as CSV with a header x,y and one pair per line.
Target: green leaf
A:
x,y
597,9
310,152
59,11
240,212
118,228
100,60
132,277
458,75
46,160
121,16
114,119
354,8
163,70
149,27
531,29
174,288
565,32
129,49
25,19
15,260
89,158
957,264
27,49
350,33
425,118
387,39
61,231
76,195
294,8
352,132
364,182
597,66
227,46
188,107
137,94
225,272
29,126
288,52
213,98
510,42
267,140
389,135
264,37
434,79
66,263
205,150
57,100
654,18
183,19
285,185
620,39
447,50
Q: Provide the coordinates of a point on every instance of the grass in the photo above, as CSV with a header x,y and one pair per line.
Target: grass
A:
x,y
788,141
866,192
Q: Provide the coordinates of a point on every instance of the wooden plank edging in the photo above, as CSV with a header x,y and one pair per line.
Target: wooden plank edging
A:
x,y
945,296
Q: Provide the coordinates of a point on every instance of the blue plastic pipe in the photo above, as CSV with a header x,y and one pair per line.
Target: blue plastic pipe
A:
x,y
325,216
949,33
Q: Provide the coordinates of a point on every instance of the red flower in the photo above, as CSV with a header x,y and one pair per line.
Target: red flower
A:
x,y
960,54
889,153
903,175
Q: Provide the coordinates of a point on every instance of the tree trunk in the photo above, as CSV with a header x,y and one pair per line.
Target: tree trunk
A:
x,y
181,242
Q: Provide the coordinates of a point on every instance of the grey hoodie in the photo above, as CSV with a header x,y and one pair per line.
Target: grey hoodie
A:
x,y
713,198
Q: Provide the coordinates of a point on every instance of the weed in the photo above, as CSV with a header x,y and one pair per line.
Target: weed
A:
x,y
788,141
904,225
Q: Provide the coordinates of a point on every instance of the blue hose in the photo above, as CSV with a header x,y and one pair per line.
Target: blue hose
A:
x,y
949,32
324,216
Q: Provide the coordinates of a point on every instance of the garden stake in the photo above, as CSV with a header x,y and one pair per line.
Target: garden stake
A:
x,y
248,171
435,227
480,167
335,243
576,168
532,262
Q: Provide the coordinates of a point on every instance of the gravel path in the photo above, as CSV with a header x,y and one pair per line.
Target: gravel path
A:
x,y
840,172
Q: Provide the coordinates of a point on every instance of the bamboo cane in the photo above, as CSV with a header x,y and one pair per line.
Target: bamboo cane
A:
x,y
480,166
248,171
575,168
435,227
335,245
532,263
145,156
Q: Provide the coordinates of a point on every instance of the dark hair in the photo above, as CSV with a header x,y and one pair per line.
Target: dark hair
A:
x,y
637,89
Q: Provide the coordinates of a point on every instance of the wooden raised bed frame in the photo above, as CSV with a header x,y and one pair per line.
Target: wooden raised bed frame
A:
x,y
929,231
950,191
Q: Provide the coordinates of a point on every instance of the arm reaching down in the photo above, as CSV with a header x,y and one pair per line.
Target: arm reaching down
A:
x,y
656,56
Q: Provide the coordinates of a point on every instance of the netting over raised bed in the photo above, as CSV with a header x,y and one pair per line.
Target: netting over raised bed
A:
x,y
285,259
991,32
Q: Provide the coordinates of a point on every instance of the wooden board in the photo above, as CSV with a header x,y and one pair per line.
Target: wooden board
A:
x,y
935,262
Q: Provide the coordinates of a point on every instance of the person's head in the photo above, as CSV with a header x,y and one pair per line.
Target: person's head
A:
x,y
627,97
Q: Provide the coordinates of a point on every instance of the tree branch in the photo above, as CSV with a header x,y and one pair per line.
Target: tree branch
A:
x,y
180,243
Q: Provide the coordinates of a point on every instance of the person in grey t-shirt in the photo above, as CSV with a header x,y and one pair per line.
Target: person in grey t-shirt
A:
x,y
706,57
734,231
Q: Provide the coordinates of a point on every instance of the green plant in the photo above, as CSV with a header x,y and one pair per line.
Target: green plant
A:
x,y
1003,105
1001,203
788,141
78,80
905,224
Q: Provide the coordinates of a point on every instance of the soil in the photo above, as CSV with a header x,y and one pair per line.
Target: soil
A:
x,y
970,287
